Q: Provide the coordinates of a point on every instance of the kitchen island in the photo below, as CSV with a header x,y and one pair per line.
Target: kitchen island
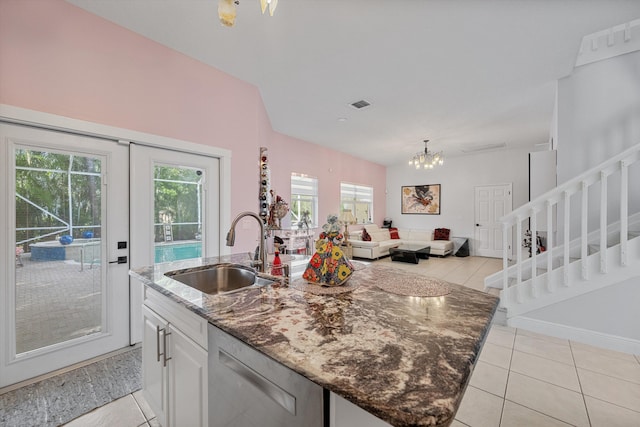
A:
x,y
404,359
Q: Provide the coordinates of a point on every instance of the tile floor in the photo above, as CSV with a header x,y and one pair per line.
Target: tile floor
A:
x,y
521,378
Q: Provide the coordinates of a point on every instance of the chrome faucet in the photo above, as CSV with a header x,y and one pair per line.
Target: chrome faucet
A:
x,y
231,237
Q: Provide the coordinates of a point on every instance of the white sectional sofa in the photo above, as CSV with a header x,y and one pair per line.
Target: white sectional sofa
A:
x,y
381,242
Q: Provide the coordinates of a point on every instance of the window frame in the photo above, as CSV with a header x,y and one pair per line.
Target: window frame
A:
x,y
310,195
353,197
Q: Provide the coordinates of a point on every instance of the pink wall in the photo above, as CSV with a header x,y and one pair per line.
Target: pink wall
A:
x,y
59,59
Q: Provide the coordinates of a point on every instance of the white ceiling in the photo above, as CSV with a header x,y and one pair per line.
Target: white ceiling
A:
x,y
461,73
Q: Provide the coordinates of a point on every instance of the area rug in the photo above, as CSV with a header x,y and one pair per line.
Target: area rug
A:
x,y
60,399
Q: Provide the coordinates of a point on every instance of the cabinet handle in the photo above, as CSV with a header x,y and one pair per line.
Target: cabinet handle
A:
x,y
158,354
164,345
274,392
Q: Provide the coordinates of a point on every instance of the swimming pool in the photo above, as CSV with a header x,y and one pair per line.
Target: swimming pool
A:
x,y
175,251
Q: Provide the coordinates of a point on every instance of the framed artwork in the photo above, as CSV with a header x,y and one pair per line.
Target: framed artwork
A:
x,y
421,199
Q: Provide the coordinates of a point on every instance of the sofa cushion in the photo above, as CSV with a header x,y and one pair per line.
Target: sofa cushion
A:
x,y
380,235
373,227
441,245
365,236
441,234
393,232
420,235
404,233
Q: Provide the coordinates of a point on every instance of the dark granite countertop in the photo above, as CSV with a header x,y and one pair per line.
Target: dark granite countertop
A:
x,y
406,360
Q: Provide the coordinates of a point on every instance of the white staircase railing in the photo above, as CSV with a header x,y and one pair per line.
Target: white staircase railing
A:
x,y
525,278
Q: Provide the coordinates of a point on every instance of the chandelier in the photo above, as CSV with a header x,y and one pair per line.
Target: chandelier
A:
x,y
427,159
227,10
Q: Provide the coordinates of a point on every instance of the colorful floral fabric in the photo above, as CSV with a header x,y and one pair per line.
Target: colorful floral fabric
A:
x,y
328,265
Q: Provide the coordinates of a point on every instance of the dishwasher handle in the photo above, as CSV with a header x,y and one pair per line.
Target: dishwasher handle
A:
x,y
274,392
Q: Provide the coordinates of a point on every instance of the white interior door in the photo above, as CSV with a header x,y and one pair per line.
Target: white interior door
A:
x,y
175,212
491,203
65,213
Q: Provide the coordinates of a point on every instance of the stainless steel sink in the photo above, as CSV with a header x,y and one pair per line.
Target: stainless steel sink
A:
x,y
219,278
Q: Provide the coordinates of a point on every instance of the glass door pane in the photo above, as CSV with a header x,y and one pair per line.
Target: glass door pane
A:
x,y
59,275
178,196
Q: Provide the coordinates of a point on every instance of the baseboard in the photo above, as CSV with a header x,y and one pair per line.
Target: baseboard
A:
x,y
598,339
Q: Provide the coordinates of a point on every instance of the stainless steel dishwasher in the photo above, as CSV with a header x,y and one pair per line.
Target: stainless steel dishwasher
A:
x,y
249,389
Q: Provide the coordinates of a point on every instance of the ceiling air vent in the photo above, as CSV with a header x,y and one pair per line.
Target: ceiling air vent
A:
x,y
360,104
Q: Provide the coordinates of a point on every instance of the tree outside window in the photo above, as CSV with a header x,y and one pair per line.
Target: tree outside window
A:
x,y
304,200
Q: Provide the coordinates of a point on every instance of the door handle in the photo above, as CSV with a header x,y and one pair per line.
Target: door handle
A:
x,y
120,260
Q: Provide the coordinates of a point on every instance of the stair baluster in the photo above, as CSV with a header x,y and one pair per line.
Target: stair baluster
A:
x,y
562,252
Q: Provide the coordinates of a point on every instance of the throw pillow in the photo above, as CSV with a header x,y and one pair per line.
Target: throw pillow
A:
x,y
365,236
394,233
441,234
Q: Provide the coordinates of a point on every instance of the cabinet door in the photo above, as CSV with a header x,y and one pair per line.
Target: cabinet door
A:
x,y
154,374
188,387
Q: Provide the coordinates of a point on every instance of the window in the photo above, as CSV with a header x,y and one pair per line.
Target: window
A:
x,y
359,199
304,199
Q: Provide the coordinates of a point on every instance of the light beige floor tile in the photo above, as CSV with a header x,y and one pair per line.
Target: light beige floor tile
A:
x,y
548,370
607,365
515,415
490,378
480,409
610,389
603,414
505,329
476,284
457,423
603,351
544,348
123,412
144,406
556,340
496,355
549,399
154,423
501,338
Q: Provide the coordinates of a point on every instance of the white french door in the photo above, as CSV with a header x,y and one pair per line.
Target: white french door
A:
x,y
175,212
491,203
64,227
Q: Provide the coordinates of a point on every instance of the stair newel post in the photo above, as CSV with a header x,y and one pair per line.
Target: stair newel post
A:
x,y
533,223
566,242
519,258
549,244
603,222
624,210
505,260
584,244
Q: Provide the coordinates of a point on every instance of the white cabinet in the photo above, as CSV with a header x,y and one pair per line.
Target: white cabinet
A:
x,y
174,364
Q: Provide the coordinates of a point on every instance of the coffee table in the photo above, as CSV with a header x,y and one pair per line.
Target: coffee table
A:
x,y
410,253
